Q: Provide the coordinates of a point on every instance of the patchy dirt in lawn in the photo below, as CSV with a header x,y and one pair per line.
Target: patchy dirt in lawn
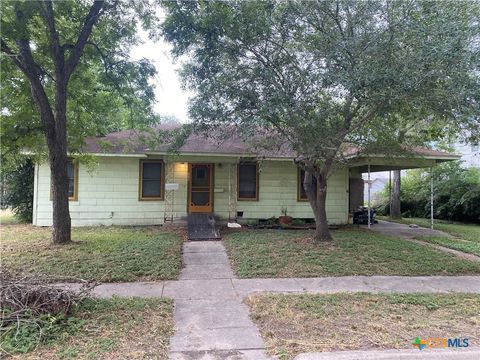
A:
x,y
293,324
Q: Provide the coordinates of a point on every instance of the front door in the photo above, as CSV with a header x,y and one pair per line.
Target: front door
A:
x,y
200,199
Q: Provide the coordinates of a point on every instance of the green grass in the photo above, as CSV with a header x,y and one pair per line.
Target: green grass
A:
x,y
104,254
292,324
453,243
277,253
99,328
464,237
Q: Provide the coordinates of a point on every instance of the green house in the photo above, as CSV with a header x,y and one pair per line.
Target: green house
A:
x,y
137,184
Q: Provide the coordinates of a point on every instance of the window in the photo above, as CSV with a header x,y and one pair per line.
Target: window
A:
x,y
247,181
72,173
301,194
151,180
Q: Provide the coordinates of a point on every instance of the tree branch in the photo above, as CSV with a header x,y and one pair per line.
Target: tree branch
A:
x,y
11,54
77,51
55,48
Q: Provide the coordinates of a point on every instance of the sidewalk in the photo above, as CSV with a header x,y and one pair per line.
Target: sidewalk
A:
x,y
231,288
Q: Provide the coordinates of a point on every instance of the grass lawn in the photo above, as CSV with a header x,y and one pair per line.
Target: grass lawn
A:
x,y
465,237
117,328
104,254
292,324
281,253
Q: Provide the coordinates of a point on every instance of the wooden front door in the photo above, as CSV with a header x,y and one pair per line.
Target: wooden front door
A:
x,y
200,194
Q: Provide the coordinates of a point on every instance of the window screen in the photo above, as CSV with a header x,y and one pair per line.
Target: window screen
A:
x,y
248,181
151,180
71,179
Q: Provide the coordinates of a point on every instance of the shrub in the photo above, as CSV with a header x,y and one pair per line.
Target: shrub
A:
x,y
17,194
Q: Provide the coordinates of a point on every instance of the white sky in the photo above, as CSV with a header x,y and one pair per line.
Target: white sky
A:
x,y
171,99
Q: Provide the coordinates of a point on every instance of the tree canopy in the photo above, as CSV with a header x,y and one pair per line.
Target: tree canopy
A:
x,y
108,91
327,74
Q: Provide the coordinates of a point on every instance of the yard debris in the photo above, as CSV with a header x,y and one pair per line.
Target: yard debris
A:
x,y
25,300
233,225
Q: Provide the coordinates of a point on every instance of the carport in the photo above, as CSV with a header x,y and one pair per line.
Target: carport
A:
x,y
373,163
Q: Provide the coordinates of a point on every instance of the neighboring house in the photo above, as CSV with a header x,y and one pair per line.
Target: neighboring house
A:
x,y
470,154
378,185
137,185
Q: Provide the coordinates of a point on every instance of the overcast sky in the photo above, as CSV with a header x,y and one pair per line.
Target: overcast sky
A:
x,y
171,99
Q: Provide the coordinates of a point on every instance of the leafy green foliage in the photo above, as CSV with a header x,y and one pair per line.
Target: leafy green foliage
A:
x,y
456,193
108,91
18,189
322,73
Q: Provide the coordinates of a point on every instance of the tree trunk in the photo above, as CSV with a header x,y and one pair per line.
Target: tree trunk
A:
x,y
62,228
322,233
318,201
61,215
396,212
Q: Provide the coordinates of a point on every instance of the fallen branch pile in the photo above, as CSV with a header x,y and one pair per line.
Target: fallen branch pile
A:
x,y
25,301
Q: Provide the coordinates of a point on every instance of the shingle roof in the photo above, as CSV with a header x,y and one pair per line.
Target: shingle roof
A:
x,y
136,142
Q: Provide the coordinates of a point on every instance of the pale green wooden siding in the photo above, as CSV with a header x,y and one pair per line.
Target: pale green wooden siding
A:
x,y
278,188
109,195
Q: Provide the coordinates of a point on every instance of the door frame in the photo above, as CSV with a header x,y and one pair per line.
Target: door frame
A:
x,y
205,209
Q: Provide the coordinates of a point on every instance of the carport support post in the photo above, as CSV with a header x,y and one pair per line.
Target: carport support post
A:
x,y
431,198
369,195
390,192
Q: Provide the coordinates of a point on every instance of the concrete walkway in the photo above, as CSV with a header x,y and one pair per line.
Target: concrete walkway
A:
x,y
210,319
406,232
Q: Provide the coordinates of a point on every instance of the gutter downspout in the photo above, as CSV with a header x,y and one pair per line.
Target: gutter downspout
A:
x,y
229,192
390,191
369,185
35,195
431,197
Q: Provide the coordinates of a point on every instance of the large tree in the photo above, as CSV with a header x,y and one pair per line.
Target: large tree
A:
x,y
319,73
72,58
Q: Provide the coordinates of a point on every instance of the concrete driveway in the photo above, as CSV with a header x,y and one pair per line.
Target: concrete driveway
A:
x,y
412,233
403,231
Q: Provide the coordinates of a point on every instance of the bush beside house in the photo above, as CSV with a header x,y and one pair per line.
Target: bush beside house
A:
x,y
17,189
